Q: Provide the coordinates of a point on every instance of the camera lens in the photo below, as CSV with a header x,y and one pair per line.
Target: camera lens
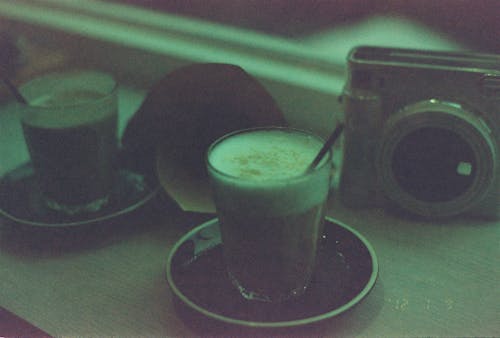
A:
x,y
434,164
436,158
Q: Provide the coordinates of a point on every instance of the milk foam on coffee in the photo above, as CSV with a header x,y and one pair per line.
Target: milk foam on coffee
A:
x,y
60,102
265,169
58,110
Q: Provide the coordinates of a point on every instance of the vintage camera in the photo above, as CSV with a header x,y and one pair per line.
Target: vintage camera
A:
x,y
422,132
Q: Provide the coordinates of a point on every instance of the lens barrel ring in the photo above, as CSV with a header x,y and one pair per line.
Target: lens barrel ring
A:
x,y
444,115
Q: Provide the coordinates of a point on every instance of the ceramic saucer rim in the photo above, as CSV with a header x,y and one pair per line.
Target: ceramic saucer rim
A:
x,y
278,324
87,221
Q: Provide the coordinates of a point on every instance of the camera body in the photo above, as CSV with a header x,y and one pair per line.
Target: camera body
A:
x,y
422,132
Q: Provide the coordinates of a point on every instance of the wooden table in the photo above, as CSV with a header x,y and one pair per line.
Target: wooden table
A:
x,y
435,279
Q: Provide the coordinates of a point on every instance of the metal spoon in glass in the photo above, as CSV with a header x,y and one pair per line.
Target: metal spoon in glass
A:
x,y
14,91
326,146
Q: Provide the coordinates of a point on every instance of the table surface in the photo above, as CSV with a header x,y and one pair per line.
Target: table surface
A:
x,y
435,278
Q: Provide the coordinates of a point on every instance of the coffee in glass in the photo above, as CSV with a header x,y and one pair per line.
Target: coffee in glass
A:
x,y
270,209
70,126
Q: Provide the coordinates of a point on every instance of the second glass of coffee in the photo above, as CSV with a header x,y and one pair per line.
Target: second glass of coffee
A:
x,y
70,126
271,210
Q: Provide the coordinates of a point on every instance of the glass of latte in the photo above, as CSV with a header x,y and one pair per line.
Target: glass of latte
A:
x,y
270,208
70,126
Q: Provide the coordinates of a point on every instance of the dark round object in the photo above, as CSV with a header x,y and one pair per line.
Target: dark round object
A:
x,y
434,165
346,271
191,107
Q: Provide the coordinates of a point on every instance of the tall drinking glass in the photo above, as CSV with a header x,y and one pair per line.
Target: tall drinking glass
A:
x,y
270,210
70,126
